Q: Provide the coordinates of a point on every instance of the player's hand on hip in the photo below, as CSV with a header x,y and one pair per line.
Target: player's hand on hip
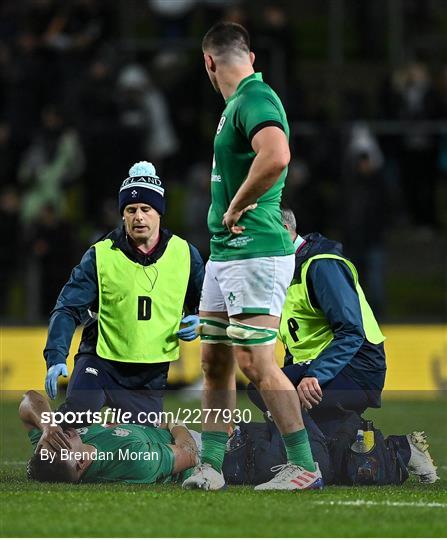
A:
x,y
189,331
309,392
51,379
232,216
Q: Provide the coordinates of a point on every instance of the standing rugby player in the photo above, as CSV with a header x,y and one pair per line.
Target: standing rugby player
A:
x,y
251,263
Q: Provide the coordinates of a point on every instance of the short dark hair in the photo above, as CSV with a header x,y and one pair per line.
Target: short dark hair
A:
x,y
45,471
225,37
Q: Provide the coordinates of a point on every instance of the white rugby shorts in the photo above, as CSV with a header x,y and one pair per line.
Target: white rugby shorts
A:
x,y
257,286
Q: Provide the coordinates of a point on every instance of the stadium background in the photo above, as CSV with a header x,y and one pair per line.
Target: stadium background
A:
x,y
87,87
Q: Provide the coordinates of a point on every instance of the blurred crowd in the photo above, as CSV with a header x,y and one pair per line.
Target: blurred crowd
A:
x,y
87,88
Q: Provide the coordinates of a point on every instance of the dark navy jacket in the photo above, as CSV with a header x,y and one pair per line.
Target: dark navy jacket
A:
x,y
332,289
80,294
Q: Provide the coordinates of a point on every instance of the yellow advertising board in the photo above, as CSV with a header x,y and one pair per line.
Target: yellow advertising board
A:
x,y
416,357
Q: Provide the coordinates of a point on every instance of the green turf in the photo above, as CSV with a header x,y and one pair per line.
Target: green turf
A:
x,y
32,509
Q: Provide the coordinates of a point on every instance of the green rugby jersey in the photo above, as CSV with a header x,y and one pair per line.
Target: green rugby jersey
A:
x,y
121,453
253,106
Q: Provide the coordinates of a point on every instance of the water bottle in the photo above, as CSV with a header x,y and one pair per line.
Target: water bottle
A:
x,y
359,445
368,435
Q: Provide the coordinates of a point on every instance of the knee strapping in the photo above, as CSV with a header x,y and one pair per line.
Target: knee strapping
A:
x,y
248,335
213,330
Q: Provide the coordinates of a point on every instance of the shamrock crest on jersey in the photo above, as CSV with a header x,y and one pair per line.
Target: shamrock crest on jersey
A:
x,y
121,432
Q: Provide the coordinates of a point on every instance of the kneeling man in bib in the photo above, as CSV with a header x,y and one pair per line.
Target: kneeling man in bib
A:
x,y
130,291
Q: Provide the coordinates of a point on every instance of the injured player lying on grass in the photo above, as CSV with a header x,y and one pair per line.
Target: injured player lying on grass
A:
x,y
112,453
145,454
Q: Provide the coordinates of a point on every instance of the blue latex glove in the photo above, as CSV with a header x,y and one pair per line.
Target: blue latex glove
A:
x,y
51,379
189,332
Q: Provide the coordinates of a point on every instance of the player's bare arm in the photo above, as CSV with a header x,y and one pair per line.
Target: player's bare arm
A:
x,y
185,450
31,408
272,157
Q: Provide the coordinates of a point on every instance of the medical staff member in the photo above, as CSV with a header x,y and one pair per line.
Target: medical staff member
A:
x,y
131,287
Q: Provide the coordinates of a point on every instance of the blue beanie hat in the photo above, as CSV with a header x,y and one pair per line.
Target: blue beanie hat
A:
x,y
142,186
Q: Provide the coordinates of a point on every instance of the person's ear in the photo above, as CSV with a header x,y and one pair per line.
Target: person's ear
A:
x,y
252,57
81,464
209,62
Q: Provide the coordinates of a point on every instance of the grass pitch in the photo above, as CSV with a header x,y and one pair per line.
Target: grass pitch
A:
x,y
117,510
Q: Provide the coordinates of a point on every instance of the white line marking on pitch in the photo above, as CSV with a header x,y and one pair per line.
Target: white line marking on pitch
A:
x,y
14,462
361,502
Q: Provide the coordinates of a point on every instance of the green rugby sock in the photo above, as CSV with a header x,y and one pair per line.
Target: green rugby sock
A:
x,y
298,449
213,448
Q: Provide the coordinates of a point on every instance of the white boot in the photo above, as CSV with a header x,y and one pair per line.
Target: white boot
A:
x,y
421,463
291,477
205,477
